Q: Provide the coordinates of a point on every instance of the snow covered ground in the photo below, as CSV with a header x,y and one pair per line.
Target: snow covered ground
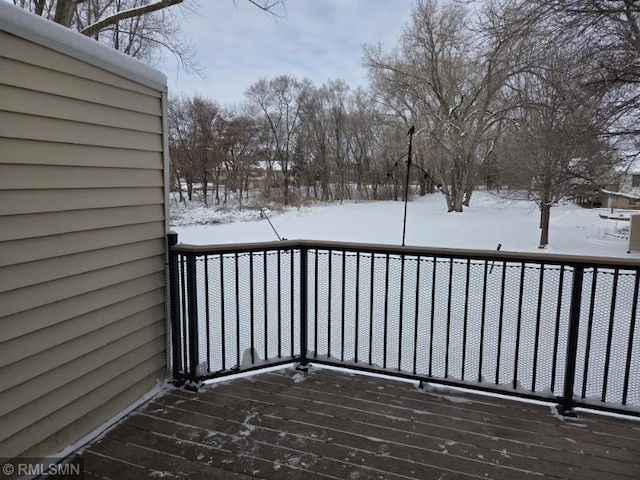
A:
x,y
489,221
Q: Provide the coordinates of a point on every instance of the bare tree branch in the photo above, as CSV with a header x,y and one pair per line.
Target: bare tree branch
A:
x,y
125,14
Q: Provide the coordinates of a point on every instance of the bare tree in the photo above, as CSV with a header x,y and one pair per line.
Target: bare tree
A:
x,y
240,145
280,102
447,76
194,131
553,141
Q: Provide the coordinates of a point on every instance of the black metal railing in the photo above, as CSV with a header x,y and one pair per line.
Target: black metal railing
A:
x,y
556,328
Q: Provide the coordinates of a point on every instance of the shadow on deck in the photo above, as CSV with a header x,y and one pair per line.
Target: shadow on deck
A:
x,y
327,424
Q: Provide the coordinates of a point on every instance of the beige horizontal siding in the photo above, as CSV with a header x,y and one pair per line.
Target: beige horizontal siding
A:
x,y
48,315
21,202
138,327
82,241
12,47
20,100
83,396
46,339
39,248
22,299
18,74
57,268
18,125
20,151
43,224
33,177
114,396
77,357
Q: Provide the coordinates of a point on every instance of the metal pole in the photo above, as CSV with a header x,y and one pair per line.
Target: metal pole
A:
x,y
406,185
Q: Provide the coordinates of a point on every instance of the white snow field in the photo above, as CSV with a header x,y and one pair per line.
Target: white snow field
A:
x,y
504,326
489,221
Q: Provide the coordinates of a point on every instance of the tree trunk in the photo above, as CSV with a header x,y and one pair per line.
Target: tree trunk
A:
x,y
545,214
467,197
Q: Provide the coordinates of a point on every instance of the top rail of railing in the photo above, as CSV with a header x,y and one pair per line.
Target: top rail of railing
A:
x,y
502,255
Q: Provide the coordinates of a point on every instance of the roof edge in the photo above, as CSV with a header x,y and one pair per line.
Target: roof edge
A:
x,y
26,25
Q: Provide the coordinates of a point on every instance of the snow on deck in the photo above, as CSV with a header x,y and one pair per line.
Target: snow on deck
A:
x,y
328,424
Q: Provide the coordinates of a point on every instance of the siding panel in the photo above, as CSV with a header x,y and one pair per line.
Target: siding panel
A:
x,y
12,47
43,224
57,268
22,299
17,125
34,343
21,202
52,368
33,249
108,386
30,77
82,233
30,177
45,316
20,100
20,151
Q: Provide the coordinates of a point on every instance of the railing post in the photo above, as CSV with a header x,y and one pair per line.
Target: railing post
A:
x,y
192,320
174,304
303,307
566,402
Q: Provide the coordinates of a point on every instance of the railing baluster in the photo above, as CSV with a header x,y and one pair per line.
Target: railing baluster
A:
x,y
556,336
433,315
416,317
185,329
315,304
207,311
501,321
342,305
483,318
192,300
265,305
174,304
371,290
292,295
449,303
587,352
357,309
329,293
386,312
536,340
632,330
223,319
304,347
401,313
607,357
566,402
237,298
465,319
251,311
516,355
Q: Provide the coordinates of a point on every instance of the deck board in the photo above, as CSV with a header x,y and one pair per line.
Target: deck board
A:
x,y
327,424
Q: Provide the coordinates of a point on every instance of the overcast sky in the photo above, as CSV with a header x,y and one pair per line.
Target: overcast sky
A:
x,y
317,39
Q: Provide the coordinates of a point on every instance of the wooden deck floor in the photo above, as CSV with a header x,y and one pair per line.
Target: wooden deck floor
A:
x,y
327,424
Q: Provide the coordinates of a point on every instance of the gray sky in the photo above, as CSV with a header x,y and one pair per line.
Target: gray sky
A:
x,y
317,39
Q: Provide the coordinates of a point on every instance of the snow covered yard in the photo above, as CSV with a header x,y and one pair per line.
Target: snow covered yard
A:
x,y
489,221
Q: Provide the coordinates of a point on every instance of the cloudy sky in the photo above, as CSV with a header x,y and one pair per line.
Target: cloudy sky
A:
x,y
317,39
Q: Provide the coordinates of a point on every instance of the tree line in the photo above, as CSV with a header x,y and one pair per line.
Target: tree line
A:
x,y
532,96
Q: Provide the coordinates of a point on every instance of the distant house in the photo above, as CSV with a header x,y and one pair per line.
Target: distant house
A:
x,y
627,195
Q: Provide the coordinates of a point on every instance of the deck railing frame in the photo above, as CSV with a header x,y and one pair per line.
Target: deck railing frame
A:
x,y
184,286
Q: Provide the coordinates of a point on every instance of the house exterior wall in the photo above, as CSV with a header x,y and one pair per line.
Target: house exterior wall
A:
x,y
82,233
